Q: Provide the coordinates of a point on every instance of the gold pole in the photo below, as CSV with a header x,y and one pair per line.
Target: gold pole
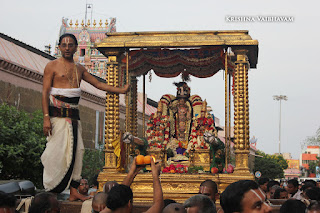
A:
x,y
241,112
226,108
144,106
127,108
127,94
133,107
229,132
112,115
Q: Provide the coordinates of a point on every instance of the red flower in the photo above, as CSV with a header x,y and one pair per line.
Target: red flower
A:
x,y
165,170
171,167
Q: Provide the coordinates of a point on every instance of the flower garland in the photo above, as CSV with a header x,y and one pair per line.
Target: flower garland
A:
x,y
199,126
158,131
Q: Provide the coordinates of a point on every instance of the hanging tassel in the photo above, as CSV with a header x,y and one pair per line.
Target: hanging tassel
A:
x,y
185,76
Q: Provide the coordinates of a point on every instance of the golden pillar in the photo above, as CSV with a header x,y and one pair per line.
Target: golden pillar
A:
x,y
133,112
112,124
241,112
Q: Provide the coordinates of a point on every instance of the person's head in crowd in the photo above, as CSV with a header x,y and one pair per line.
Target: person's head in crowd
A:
x,y
120,199
83,188
44,202
293,186
312,193
174,208
314,207
168,201
108,185
263,182
244,196
199,204
272,183
99,202
7,203
280,193
272,191
209,188
293,206
310,182
306,186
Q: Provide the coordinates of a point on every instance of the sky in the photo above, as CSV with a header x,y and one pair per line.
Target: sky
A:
x,y
287,63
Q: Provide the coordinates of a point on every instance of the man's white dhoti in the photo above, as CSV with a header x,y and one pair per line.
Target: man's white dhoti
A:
x,y
62,158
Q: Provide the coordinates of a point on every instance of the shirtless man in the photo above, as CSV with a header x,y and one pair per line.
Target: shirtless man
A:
x,y
62,158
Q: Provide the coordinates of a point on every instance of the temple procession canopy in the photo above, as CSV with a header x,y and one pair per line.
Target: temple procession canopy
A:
x,y
181,130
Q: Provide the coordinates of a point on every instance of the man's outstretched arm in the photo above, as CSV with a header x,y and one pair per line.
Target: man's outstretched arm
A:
x,y
134,170
157,190
103,86
75,195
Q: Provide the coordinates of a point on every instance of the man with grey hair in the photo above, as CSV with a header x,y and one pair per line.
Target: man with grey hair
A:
x,y
199,204
272,190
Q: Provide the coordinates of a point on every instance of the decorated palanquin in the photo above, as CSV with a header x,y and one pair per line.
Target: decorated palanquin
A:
x,y
176,132
201,54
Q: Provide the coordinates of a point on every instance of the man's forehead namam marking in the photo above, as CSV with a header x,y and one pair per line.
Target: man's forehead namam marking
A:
x,y
67,40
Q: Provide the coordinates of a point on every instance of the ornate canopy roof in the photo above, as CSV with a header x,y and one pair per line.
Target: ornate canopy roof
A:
x,y
200,53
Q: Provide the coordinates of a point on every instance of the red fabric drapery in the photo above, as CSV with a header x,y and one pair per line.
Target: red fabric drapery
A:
x,y
202,63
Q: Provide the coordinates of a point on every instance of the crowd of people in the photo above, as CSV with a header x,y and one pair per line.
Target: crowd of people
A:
x,y
242,196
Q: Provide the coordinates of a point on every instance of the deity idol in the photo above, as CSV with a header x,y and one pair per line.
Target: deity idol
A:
x,y
180,109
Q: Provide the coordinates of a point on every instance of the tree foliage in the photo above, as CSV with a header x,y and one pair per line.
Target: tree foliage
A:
x,y
311,140
93,162
21,144
312,166
270,166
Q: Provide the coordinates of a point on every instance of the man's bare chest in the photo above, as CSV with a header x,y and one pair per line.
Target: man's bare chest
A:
x,y
67,75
